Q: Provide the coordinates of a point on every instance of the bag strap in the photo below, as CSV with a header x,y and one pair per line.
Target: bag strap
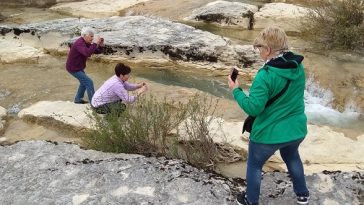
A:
x,y
270,101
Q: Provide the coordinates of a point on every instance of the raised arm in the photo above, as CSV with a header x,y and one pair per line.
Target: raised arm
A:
x,y
84,50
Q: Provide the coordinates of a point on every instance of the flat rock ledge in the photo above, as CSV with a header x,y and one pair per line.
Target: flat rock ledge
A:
x,y
39,172
63,114
322,146
95,8
12,51
225,13
139,37
36,3
286,16
2,121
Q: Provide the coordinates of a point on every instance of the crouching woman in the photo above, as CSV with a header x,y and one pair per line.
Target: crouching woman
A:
x,y
113,94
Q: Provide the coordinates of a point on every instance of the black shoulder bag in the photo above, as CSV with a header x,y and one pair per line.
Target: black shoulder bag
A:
x,y
248,123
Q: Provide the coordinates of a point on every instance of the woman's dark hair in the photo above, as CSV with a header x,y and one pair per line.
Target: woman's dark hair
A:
x,y
122,69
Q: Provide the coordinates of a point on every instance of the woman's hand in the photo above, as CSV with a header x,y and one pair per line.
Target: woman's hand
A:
x,y
232,84
98,40
142,89
141,84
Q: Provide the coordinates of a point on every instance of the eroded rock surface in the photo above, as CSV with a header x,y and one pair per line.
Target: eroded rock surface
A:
x,y
41,172
286,16
147,38
33,172
95,8
322,146
12,51
37,3
64,114
2,121
226,13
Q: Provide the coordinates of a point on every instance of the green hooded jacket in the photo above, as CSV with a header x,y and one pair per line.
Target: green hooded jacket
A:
x,y
284,120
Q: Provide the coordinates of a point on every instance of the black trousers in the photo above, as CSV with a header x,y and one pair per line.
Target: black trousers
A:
x,y
108,108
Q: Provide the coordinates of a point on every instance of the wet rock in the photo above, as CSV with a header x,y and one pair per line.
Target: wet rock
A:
x,y
2,121
95,8
226,13
61,173
12,51
286,16
146,38
62,114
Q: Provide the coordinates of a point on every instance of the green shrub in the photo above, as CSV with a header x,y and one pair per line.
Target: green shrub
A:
x,y
336,24
152,127
197,139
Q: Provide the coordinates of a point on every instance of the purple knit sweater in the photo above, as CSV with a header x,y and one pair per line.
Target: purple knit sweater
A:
x,y
79,53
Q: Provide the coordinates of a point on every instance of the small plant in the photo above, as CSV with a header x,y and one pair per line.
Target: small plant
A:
x,y
152,127
336,24
142,128
199,147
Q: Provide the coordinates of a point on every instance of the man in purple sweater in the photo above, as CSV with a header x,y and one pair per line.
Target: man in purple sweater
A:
x,y
113,94
81,49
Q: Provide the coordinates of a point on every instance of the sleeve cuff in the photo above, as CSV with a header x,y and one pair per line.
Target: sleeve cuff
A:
x,y
238,89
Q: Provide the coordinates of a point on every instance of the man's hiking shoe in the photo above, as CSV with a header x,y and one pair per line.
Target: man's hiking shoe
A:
x,y
242,200
303,199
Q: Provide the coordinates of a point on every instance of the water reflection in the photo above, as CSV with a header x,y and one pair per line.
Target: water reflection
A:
x,y
197,81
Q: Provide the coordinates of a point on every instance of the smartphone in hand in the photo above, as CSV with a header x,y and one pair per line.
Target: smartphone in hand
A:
x,y
234,74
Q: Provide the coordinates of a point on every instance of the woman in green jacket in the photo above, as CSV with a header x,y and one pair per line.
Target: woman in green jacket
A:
x,y
283,124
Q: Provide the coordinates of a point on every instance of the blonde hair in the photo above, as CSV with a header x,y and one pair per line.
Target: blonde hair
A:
x,y
272,37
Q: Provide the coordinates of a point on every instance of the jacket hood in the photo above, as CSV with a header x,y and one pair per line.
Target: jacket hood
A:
x,y
286,66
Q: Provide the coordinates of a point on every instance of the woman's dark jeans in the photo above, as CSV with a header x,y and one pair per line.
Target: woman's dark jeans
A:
x,y
260,153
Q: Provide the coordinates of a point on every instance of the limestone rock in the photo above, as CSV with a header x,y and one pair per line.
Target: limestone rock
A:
x,y
59,113
2,17
35,3
140,37
34,171
2,115
38,3
286,16
225,13
60,173
2,112
322,145
95,8
11,51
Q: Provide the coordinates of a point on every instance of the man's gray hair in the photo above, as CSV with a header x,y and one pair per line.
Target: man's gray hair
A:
x,y
87,31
